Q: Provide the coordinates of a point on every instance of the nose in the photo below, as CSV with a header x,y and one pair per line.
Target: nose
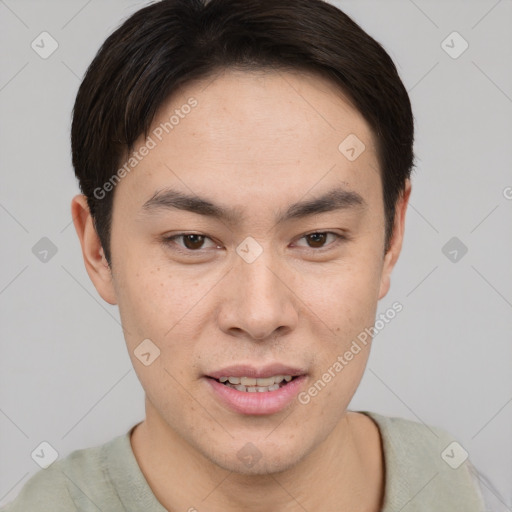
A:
x,y
258,301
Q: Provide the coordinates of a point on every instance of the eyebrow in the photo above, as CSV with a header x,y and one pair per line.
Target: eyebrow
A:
x,y
169,199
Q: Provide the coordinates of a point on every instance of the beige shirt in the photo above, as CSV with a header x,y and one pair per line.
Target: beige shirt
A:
x,y
426,470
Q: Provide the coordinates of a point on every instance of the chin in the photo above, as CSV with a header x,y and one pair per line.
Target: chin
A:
x,y
258,458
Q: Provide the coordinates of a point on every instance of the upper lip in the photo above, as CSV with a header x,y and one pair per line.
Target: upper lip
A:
x,y
244,370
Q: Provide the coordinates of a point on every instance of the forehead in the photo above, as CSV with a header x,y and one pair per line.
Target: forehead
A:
x,y
254,136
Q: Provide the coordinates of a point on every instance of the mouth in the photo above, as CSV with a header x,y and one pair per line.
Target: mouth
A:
x,y
251,391
254,385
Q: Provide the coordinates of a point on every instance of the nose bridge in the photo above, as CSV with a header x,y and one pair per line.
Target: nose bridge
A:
x,y
258,280
260,302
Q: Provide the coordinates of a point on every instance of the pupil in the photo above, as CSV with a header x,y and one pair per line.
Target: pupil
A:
x,y
193,241
318,238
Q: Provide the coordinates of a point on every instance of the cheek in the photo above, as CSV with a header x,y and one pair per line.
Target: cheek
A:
x,y
330,391
345,301
347,305
345,297
154,307
151,300
167,307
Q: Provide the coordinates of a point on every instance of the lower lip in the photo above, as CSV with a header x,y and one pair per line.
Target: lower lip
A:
x,y
257,403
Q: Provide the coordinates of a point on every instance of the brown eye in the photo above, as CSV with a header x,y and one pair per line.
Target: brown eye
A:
x,y
321,240
193,241
316,239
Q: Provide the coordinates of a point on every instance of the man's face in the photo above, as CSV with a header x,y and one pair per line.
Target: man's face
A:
x,y
258,288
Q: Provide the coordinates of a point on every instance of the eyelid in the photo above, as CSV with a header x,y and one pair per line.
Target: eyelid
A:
x,y
170,239
339,238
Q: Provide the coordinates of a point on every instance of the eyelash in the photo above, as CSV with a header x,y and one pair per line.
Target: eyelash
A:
x,y
170,240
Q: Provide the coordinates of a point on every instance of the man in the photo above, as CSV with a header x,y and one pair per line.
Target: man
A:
x,y
245,168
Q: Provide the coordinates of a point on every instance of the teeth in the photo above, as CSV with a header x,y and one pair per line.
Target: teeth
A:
x,y
253,385
264,382
251,381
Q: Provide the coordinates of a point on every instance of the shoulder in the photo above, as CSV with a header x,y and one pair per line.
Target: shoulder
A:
x,y
425,465
44,491
68,484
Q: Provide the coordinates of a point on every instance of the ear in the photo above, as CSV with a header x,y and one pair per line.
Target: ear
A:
x,y
391,256
95,262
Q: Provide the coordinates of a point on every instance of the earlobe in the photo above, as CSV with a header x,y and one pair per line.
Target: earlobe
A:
x,y
94,258
385,278
391,256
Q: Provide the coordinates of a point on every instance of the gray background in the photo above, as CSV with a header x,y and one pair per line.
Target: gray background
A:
x,y
445,360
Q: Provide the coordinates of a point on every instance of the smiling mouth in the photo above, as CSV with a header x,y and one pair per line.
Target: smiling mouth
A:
x,y
256,385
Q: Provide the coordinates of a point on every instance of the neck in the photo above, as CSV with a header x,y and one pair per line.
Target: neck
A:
x,y
341,473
